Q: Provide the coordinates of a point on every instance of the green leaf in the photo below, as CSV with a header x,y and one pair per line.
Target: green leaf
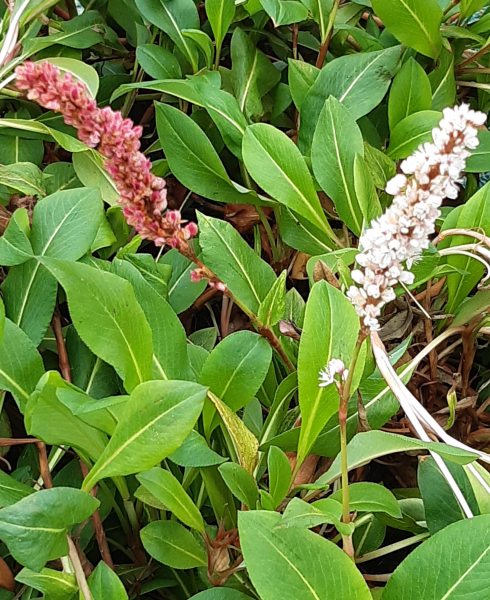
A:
x,y
195,452
245,444
470,7
2,320
221,106
156,420
64,225
220,497
11,490
479,161
206,338
155,274
104,583
366,190
241,483
276,164
80,71
108,318
463,549
170,359
301,76
414,22
194,161
367,446
35,528
320,11
182,292
80,32
89,373
474,214
358,81
280,475
370,497
411,132
89,167
228,255
66,141
23,177
15,246
301,235
49,419
220,14
168,490
272,308
21,365
172,16
380,166
440,505
330,330
300,564
101,414
470,308
253,75
442,82
53,584
203,42
285,12
410,93
336,142
158,62
235,370
15,149
171,544
221,594
299,513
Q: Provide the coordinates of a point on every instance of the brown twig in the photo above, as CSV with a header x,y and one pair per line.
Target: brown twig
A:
x,y
224,316
5,442
295,31
323,50
72,9
44,465
98,527
61,13
473,58
330,27
60,344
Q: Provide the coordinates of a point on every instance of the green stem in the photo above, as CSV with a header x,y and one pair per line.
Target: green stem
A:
x,y
450,6
268,230
343,410
393,547
250,184
115,506
217,57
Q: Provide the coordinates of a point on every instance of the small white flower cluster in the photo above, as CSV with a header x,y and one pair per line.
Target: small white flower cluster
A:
x,y
429,175
334,367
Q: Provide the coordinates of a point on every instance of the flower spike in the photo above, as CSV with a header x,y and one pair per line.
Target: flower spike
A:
x,y
142,195
397,238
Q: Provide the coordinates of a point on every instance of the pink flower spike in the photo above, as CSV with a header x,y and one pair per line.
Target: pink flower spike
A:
x,y
142,195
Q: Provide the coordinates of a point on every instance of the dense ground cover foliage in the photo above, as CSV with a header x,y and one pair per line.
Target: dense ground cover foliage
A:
x,y
243,315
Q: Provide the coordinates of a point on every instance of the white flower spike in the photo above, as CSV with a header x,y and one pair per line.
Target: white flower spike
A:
x,y
398,237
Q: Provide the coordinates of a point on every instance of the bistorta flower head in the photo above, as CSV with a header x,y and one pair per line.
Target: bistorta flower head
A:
x,y
334,367
142,195
398,237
